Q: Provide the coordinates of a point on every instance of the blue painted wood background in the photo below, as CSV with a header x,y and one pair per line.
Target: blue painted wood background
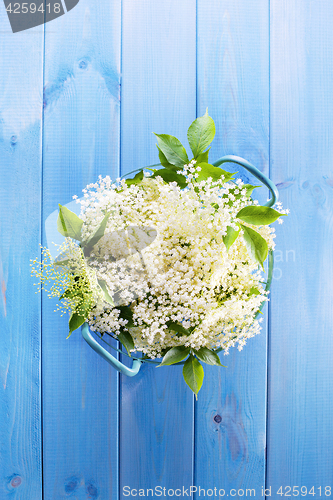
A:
x,y
80,97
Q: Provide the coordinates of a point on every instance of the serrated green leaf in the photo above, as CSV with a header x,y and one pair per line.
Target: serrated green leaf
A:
x,y
203,157
127,340
201,133
257,215
75,321
175,355
171,176
215,173
136,179
172,149
193,374
230,237
126,313
99,233
107,295
207,356
256,245
165,162
69,224
176,327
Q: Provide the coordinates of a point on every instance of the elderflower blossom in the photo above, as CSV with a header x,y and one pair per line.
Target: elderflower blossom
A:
x,y
183,274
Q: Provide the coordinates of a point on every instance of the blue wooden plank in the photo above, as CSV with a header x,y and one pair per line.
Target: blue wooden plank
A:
x,y
300,436
81,141
21,67
158,95
233,81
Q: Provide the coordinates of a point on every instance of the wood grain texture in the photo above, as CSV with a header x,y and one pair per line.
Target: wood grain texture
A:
x,y
158,95
172,59
300,376
21,83
233,82
81,141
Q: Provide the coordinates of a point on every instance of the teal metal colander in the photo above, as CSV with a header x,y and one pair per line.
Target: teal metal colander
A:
x,y
130,372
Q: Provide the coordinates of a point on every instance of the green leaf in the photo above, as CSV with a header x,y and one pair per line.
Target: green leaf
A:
x,y
164,351
107,295
171,176
201,133
126,313
172,149
254,291
256,245
126,339
75,321
208,356
203,157
249,188
70,293
259,216
215,173
165,162
69,224
175,355
193,374
230,237
136,179
98,234
176,327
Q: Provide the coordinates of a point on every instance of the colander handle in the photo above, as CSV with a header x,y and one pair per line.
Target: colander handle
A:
x,y
251,168
120,367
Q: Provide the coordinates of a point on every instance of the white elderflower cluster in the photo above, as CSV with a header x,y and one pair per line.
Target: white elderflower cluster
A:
x,y
162,256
